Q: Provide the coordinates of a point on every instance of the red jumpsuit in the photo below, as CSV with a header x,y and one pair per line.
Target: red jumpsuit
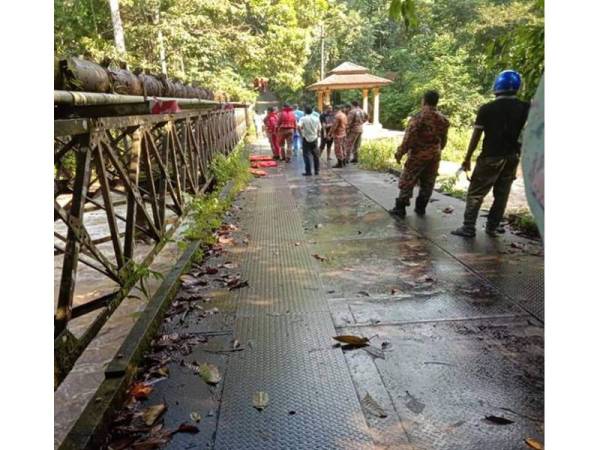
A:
x,y
271,127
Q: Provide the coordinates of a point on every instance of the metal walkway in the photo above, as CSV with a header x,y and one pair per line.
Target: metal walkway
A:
x,y
449,344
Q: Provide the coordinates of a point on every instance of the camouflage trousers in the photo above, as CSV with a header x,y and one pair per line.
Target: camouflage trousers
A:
x,y
353,141
423,170
491,172
340,148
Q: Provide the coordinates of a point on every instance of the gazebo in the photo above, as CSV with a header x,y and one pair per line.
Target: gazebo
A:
x,y
350,76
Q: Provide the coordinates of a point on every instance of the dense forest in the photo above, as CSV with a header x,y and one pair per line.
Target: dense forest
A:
x,y
455,46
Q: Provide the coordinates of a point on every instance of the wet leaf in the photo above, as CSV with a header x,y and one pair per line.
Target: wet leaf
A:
x,y
260,400
225,240
352,340
152,442
235,344
448,210
187,428
537,445
319,257
140,391
152,413
195,417
239,285
373,407
364,293
499,420
229,265
188,279
209,373
211,270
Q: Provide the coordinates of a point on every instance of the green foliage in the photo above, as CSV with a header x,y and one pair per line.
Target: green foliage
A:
x,y
456,147
207,211
140,272
404,10
378,154
524,222
222,44
447,185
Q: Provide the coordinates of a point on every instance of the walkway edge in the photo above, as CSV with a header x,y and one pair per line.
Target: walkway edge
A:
x,y
92,426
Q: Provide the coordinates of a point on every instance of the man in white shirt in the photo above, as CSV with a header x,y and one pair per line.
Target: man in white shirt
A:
x,y
310,127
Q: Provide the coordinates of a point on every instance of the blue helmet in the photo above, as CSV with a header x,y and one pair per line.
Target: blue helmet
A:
x,y
507,81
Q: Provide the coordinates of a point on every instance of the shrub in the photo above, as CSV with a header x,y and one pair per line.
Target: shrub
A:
x,y
378,154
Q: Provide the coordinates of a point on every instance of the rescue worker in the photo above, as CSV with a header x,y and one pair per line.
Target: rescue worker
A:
x,y
286,126
501,121
424,139
298,113
270,122
356,118
327,118
309,128
338,134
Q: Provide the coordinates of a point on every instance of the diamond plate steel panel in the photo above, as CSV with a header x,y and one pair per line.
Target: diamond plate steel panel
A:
x,y
312,403
445,377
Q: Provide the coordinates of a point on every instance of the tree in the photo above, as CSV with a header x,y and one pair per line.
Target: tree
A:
x,y
117,26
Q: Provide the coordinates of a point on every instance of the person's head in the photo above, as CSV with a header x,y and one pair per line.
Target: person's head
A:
x,y
355,104
507,82
286,105
431,98
328,108
295,106
346,107
307,110
270,109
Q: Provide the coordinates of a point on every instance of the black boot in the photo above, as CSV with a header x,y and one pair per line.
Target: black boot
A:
x,y
420,207
339,164
399,209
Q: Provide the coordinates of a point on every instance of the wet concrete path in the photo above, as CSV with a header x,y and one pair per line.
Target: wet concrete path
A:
x,y
455,326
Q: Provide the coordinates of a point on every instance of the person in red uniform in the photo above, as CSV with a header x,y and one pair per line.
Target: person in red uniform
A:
x,y
270,122
285,128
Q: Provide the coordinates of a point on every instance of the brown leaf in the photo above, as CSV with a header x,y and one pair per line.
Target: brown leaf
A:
x,y
140,391
373,407
535,444
211,270
319,257
187,428
356,341
195,417
260,400
448,210
209,373
152,413
238,285
499,420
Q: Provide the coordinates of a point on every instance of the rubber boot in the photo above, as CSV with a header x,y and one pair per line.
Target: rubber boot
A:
x,y
339,165
399,209
420,207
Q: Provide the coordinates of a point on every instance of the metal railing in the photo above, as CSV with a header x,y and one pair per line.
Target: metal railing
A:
x,y
139,172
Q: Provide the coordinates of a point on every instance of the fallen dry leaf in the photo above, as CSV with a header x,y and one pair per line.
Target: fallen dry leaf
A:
x,y
499,420
373,407
209,373
448,210
356,341
140,391
195,417
260,400
152,413
239,285
535,444
319,257
186,428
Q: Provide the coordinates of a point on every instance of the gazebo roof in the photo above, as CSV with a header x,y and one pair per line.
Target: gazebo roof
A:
x,y
349,76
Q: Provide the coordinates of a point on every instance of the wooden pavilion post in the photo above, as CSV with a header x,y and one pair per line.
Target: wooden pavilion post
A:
x,y
365,105
376,107
327,97
320,101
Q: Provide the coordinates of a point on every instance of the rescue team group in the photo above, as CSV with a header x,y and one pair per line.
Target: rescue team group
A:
x,y
501,121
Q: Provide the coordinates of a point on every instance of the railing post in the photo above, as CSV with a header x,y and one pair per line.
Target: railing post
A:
x,y
134,174
71,258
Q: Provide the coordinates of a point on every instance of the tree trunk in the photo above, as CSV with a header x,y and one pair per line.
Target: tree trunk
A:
x,y
161,43
117,26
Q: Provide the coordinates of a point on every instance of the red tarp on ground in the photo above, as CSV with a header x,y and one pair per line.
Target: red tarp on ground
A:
x,y
258,172
257,164
261,158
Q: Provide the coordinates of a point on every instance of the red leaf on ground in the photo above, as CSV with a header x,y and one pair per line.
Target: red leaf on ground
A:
x,y
140,391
